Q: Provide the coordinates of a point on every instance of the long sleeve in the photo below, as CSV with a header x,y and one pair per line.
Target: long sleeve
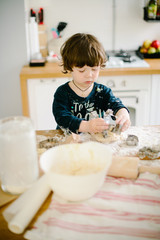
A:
x,y
62,111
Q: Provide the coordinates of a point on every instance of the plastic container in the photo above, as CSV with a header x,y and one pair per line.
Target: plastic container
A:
x,y
33,37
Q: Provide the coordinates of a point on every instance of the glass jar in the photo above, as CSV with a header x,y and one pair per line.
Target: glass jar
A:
x,y
18,154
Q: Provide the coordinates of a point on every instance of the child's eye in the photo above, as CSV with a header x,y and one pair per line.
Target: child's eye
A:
x,y
82,70
94,69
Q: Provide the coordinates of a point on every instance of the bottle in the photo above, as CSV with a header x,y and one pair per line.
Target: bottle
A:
x,y
33,37
158,10
152,9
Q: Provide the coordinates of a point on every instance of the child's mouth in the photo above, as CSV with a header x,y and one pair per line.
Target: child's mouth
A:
x,y
88,82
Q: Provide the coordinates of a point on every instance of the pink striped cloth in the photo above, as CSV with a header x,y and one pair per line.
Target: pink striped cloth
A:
x,y
122,209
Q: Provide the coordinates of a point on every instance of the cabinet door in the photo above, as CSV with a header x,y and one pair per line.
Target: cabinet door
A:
x,y
155,100
40,99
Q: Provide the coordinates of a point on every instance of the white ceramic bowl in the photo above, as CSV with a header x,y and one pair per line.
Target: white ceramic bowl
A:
x,y
76,171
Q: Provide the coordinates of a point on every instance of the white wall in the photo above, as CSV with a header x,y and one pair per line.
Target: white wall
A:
x,y
131,30
81,15
97,17
12,55
93,16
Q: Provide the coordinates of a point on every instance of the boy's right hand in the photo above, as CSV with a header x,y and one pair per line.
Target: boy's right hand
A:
x,y
93,125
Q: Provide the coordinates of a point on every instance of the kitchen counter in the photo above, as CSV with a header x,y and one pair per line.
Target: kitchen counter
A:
x,y
54,70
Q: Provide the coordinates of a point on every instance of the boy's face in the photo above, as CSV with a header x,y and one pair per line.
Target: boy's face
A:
x,y
86,75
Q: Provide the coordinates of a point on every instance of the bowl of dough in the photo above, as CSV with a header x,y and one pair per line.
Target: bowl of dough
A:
x,y
76,171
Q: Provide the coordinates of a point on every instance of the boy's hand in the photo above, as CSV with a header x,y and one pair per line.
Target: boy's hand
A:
x,y
93,125
123,119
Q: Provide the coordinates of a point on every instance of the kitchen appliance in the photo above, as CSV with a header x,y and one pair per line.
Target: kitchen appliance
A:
x,y
134,91
125,59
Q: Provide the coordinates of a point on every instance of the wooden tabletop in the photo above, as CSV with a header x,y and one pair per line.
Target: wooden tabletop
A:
x,y
5,234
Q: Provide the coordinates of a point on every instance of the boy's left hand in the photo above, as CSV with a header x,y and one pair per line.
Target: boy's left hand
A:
x,y
123,119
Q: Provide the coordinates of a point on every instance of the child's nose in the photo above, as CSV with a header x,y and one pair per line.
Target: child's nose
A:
x,y
89,73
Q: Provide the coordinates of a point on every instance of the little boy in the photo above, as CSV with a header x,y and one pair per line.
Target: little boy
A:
x,y
84,56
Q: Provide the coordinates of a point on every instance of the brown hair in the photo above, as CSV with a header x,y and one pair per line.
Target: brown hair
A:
x,y
80,50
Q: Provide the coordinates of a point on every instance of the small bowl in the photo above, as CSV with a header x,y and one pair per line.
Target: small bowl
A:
x,y
76,171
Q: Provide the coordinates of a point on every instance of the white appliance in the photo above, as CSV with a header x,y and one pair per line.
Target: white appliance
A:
x,y
134,91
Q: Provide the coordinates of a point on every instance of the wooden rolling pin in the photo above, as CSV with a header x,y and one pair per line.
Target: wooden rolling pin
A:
x,y
131,167
152,166
126,167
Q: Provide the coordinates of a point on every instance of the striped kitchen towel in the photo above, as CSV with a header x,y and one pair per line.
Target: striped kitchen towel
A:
x,y
123,209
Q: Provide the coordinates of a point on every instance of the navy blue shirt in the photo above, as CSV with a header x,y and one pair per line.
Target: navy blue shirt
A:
x,y
69,109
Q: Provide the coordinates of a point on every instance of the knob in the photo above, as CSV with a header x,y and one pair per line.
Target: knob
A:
x,y
110,83
123,83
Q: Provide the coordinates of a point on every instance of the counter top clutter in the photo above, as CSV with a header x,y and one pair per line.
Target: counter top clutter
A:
x,y
55,70
126,206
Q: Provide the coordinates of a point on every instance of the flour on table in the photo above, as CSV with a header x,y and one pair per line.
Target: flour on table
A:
x,y
148,137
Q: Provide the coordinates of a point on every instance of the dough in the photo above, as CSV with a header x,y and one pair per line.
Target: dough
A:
x,y
103,138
